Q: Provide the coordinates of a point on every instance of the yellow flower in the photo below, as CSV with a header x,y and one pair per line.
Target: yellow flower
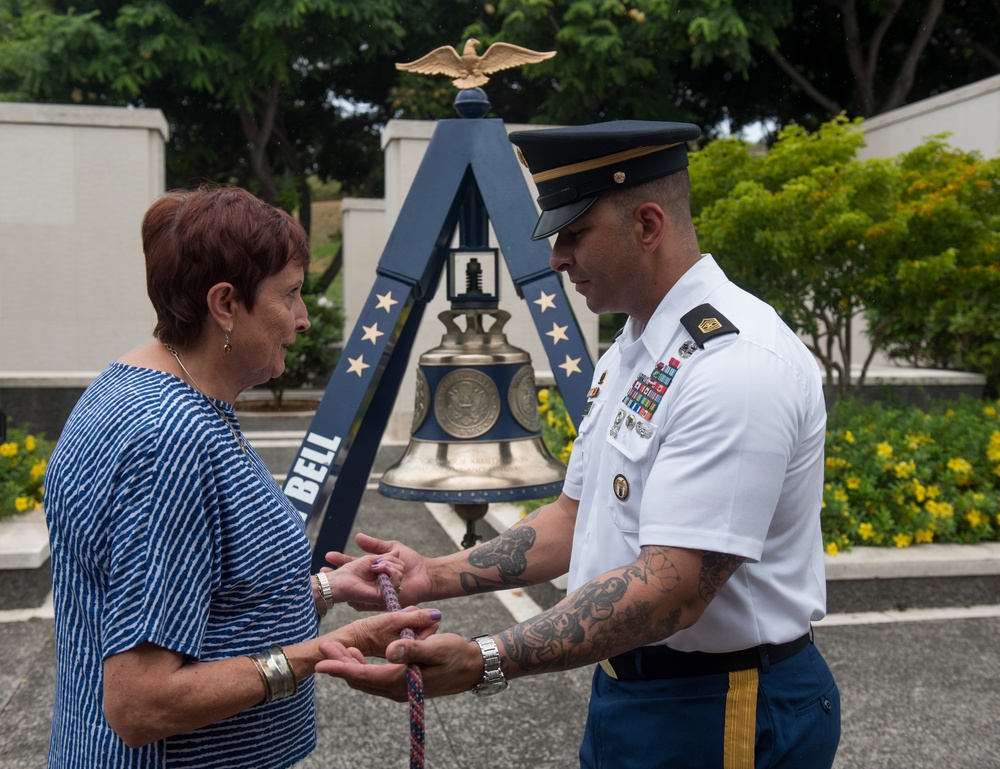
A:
x,y
933,491
925,535
37,470
990,412
566,451
939,509
866,531
29,443
960,466
903,469
840,495
919,490
21,504
884,450
975,518
993,449
831,549
949,413
853,482
903,540
849,436
8,449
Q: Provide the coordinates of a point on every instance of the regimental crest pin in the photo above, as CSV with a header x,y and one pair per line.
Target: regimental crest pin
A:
x,y
621,487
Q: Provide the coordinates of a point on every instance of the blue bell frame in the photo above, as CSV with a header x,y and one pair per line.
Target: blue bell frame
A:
x,y
328,476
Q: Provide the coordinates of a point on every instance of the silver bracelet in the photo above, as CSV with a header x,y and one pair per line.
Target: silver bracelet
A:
x,y
276,672
324,588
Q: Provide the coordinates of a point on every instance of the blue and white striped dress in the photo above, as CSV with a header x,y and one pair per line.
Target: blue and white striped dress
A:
x,y
161,531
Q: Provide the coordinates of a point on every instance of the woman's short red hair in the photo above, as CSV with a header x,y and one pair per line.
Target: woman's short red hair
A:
x,y
196,238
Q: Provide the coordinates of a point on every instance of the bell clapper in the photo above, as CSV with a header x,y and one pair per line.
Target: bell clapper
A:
x,y
470,514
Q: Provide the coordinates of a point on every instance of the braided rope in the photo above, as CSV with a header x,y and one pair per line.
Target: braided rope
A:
x,y
414,681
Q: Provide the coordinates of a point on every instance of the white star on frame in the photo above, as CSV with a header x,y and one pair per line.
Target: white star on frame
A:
x,y
372,333
357,365
545,301
385,302
558,333
571,366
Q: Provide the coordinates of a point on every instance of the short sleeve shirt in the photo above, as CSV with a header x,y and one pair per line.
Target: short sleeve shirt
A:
x,y
716,447
163,531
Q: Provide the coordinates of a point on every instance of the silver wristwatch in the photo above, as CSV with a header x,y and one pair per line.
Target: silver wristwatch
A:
x,y
493,680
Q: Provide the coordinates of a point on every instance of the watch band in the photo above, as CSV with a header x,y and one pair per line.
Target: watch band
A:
x,y
493,677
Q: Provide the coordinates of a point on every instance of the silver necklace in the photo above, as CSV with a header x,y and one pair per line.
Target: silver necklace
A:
x,y
236,435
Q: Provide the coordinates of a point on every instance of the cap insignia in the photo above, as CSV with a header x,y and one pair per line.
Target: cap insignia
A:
x,y
602,162
619,177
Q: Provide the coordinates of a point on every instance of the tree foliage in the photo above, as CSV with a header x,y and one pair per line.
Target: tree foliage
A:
x,y
258,92
265,93
910,243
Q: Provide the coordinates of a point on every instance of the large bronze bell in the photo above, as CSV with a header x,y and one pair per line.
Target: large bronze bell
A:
x,y
476,435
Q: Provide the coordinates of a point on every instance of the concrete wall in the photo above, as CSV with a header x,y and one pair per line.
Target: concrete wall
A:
x,y
367,225
971,115
76,182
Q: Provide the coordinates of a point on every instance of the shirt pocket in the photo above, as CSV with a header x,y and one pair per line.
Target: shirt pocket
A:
x,y
633,443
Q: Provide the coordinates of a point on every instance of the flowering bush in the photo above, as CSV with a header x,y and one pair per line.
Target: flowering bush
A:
x,y
895,476
900,476
22,467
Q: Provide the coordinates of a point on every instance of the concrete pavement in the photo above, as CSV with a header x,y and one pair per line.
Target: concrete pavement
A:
x,y
916,659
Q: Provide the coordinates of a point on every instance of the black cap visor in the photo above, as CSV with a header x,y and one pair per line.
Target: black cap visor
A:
x,y
550,222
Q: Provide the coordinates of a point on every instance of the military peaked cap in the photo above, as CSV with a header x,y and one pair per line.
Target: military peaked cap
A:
x,y
572,166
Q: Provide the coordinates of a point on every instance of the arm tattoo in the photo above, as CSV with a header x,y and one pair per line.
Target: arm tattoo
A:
x,y
508,553
596,617
716,568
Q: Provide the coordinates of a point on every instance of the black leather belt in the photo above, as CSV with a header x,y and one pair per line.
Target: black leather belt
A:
x,y
649,662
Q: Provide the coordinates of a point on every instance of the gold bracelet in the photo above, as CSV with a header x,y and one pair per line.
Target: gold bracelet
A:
x,y
263,677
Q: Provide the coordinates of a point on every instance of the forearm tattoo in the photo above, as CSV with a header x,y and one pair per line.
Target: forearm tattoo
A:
x,y
508,553
595,620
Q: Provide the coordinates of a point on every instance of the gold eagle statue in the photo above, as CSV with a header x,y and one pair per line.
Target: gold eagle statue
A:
x,y
470,70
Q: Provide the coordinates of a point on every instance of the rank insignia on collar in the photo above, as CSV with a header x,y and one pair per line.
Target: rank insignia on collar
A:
x,y
704,322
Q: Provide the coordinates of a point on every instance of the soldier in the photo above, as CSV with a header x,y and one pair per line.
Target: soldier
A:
x,y
689,521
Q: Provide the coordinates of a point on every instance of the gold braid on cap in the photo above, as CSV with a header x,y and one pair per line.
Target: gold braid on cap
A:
x,y
606,160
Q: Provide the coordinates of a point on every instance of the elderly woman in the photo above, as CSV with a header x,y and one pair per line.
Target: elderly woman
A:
x,y
186,614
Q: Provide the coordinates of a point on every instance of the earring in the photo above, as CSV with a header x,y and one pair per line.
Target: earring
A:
x,y
227,348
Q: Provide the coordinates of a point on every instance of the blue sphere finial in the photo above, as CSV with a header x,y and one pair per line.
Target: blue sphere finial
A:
x,y
472,103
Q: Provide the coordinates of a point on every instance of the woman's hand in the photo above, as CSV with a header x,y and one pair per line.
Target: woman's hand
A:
x,y
413,566
354,582
371,635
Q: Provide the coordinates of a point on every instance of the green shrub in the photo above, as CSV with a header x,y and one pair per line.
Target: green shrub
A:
x,y
898,476
22,467
895,476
